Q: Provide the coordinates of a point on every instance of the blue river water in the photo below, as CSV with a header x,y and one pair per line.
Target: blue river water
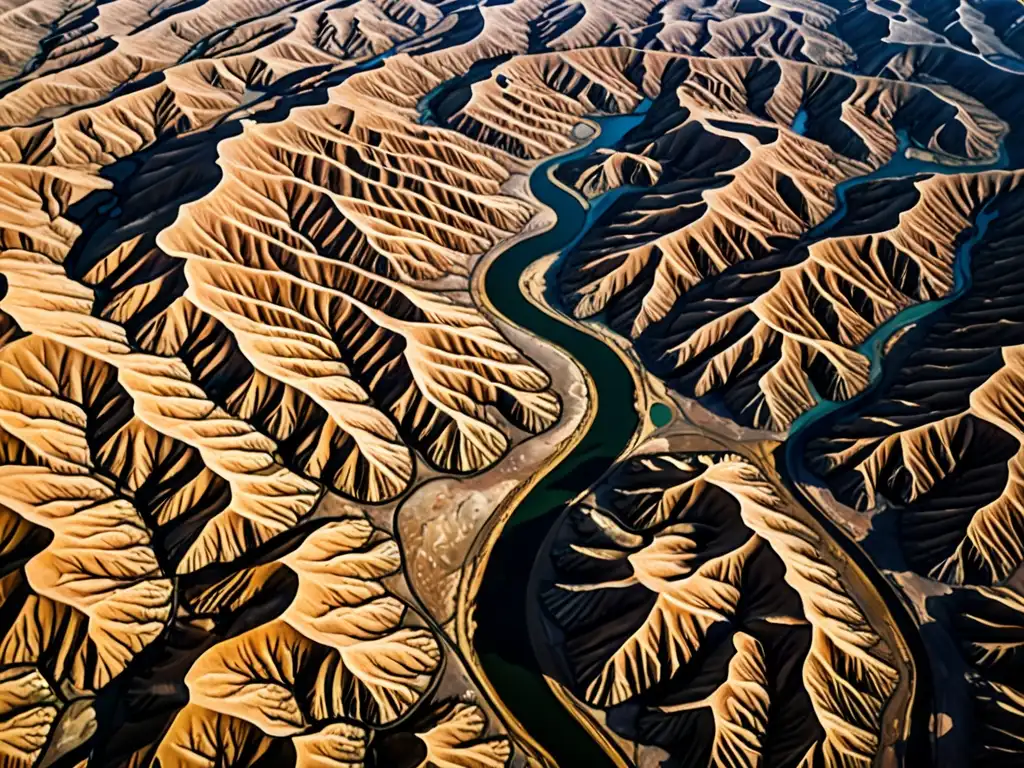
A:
x,y
874,347
502,638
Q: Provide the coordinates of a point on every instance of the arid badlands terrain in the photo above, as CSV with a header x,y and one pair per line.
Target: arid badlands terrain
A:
x,y
482,383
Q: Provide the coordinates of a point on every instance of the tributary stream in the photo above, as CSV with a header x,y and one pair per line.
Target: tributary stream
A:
x,y
502,638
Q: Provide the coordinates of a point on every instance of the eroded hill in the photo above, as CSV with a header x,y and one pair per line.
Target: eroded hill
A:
x,y
248,376
703,615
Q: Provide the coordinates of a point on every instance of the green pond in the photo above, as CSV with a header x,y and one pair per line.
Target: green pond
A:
x,y
661,414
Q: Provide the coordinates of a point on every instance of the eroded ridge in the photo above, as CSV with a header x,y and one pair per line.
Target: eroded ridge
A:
x,y
238,331
988,622
703,616
942,443
222,349
735,269
934,457
758,256
291,308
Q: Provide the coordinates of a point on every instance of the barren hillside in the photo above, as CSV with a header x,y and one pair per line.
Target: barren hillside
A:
x,y
262,421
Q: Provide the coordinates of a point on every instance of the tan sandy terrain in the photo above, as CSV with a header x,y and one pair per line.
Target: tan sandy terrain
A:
x,y
260,423
687,586
770,270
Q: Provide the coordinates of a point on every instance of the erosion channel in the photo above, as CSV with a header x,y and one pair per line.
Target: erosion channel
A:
x,y
502,640
501,637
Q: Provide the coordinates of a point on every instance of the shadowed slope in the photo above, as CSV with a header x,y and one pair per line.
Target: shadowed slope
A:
x,y
728,272
674,616
942,442
238,330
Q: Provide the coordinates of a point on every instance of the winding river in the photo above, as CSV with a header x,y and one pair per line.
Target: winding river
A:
x,y
797,476
501,638
875,346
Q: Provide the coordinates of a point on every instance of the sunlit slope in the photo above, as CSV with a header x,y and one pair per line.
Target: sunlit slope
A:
x,y
619,169
236,329
986,32
734,270
187,72
192,55
942,440
989,624
315,242
702,615
65,54
303,328
205,341
130,71
100,76
297,300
